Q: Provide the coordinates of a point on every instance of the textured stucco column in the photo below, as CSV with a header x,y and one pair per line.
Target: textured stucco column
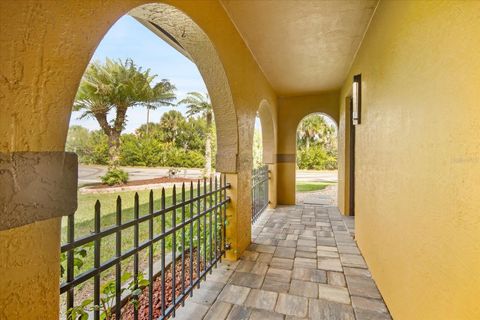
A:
x,y
36,188
286,167
238,219
272,185
29,268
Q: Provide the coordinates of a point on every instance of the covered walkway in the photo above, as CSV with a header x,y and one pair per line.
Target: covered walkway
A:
x,y
302,264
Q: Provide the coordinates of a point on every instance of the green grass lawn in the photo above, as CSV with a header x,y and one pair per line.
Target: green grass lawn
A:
x,y
306,186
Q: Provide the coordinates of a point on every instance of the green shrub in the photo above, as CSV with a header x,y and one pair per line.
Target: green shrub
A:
x,y
316,158
136,151
115,176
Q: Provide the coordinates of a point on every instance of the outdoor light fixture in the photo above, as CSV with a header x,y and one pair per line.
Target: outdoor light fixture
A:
x,y
356,98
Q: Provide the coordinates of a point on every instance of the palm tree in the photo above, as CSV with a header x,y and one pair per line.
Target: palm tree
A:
x,y
313,128
170,123
117,86
199,104
167,96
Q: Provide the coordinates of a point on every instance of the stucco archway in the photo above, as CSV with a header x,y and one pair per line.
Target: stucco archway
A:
x,y
47,50
186,36
268,132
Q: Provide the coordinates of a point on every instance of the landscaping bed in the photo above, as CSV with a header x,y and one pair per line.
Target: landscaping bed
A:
x,y
128,310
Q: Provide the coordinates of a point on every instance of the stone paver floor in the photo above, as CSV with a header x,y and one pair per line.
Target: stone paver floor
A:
x,y
302,264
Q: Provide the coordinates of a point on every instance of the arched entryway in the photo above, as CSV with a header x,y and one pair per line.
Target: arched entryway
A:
x,y
266,122
316,160
39,124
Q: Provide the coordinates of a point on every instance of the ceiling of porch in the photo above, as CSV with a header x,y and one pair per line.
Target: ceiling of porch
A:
x,y
302,46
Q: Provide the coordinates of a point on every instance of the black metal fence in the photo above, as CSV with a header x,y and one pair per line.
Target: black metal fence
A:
x,y
186,239
259,191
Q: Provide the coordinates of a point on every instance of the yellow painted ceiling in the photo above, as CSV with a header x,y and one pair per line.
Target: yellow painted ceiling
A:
x,y
302,46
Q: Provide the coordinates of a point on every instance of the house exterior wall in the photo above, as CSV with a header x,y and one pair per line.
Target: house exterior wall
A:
x,y
418,157
417,161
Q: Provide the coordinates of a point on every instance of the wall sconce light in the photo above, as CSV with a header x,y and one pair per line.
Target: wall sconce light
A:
x,y
356,99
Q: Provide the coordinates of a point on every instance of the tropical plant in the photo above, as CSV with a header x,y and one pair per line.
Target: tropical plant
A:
x,y
116,86
314,129
315,158
138,149
133,288
317,143
199,104
77,140
115,176
257,148
167,91
171,123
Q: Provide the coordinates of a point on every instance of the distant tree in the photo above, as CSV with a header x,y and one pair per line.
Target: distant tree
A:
x,y
257,148
192,135
117,86
167,100
314,129
171,124
199,104
316,143
77,141
154,131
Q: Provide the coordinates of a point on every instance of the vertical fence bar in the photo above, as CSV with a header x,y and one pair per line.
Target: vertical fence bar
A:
x,y
204,223
254,204
118,265
70,265
210,223
162,226
135,245
215,203
222,222
150,256
267,185
259,191
199,238
174,247
96,262
225,215
183,241
191,237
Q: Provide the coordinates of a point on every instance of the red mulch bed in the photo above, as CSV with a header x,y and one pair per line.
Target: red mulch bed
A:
x,y
128,310
144,182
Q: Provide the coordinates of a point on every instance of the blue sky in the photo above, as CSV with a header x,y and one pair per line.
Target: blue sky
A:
x,y
129,39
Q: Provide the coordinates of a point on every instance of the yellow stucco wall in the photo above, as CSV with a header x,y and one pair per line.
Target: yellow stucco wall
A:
x,y
291,110
343,194
45,50
418,157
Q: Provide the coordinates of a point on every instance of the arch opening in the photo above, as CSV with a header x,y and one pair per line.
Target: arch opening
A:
x,y
266,124
184,35
316,156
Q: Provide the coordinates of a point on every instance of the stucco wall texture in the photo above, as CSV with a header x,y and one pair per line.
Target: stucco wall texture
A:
x,y
418,157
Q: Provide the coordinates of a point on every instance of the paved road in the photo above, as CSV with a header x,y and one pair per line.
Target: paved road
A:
x,y
92,174
323,176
